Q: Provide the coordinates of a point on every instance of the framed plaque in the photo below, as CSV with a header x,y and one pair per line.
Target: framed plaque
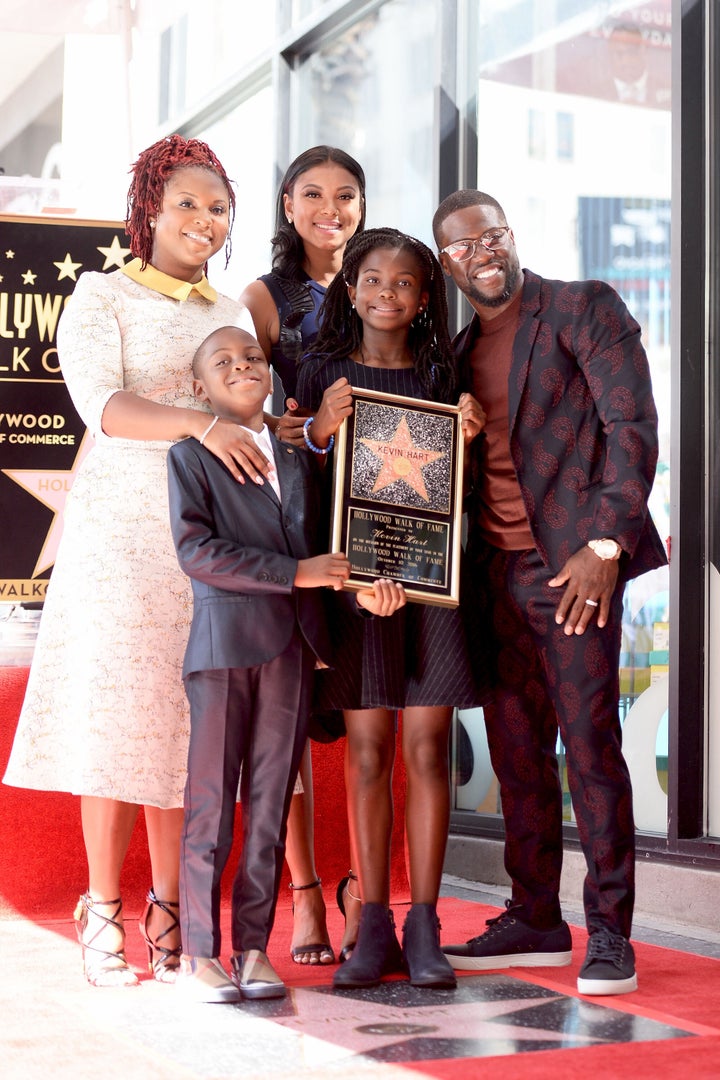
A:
x,y
397,495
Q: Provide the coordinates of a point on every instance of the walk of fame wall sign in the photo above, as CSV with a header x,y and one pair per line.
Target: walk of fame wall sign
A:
x,y
42,438
397,495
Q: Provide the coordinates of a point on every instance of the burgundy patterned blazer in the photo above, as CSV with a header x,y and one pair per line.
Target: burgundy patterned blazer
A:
x,y
583,423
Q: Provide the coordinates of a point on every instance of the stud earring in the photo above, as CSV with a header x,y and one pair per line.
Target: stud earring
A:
x,y
152,224
289,220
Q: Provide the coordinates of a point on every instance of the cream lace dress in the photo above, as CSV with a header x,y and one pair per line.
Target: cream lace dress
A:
x,y
105,711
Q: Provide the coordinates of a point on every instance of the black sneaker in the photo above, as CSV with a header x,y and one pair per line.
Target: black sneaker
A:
x,y
609,966
509,942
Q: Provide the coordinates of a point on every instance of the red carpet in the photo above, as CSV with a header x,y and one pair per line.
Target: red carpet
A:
x,y
42,870
674,988
35,823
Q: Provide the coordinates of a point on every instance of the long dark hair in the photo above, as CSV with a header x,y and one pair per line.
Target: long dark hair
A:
x,y
288,252
341,330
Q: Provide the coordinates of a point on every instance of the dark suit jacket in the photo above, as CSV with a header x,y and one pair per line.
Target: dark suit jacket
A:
x,y
240,547
583,423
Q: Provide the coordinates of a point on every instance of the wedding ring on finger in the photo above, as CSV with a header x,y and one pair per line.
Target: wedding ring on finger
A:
x,y
592,603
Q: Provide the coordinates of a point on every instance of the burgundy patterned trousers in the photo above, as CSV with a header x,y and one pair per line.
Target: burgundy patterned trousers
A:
x,y
547,681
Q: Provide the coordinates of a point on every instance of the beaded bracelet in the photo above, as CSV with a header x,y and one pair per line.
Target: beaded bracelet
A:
x,y
310,444
207,430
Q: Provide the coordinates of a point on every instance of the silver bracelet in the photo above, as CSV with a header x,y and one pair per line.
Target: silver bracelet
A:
x,y
207,430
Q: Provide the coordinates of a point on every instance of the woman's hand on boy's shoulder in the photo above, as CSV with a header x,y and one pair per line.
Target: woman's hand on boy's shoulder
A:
x,y
238,450
472,417
385,598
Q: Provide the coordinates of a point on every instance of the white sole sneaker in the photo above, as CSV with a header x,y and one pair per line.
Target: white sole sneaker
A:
x,y
497,963
598,987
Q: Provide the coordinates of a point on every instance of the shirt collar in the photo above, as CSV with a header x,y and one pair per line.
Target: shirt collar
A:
x,y
262,438
169,286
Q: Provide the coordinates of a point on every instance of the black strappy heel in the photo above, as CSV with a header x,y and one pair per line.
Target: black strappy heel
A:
x,y
166,966
323,949
102,967
343,885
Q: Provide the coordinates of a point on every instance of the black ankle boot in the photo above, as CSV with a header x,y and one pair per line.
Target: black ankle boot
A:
x,y
376,953
425,960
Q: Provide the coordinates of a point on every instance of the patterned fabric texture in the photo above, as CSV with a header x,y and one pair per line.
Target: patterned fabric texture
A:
x,y
105,712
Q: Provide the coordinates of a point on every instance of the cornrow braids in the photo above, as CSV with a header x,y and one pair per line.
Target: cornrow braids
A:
x,y
150,174
341,329
288,250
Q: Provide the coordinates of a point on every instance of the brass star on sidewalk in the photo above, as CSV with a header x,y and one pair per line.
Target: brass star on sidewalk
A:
x,y
402,460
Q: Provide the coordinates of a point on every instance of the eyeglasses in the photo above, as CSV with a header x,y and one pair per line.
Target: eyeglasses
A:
x,y
462,250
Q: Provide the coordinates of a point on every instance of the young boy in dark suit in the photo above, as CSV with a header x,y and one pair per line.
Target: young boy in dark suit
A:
x,y
258,629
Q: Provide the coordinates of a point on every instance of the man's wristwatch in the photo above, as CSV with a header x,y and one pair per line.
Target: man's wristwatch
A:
x,y
605,549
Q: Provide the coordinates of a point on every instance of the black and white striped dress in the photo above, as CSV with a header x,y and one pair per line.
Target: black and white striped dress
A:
x,y
421,655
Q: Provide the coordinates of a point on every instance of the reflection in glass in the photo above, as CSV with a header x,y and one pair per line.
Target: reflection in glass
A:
x,y
361,92
574,139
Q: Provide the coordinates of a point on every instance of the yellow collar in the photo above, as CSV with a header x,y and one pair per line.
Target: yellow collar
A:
x,y
169,286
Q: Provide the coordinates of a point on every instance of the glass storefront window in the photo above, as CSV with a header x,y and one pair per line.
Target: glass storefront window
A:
x,y
249,125
360,92
574,140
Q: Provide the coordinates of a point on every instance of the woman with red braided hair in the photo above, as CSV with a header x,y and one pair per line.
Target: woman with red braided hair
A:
x,y
105,714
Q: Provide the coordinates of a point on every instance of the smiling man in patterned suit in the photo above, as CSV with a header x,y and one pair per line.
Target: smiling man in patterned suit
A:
x,y
558,522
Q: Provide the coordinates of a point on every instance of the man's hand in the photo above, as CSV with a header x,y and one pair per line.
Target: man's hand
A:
x,y
385,598
472,416
590,584
238,450
329,570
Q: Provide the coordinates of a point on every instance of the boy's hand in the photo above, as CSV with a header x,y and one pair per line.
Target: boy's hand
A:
x,y
472,417
289,427
239,451
336,404
385,598
323,570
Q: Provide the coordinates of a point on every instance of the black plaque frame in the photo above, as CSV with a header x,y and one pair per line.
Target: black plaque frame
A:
x,y
410,527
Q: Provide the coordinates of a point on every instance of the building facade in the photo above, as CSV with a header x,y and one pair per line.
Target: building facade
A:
x,y
595,124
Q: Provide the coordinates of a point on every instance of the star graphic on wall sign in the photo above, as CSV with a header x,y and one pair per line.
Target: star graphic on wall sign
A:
x,y
51,487
9,254
114,255
67,268
29,278
401,460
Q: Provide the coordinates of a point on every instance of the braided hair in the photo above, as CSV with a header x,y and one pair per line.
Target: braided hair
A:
x,y
151,172
288,250
341,329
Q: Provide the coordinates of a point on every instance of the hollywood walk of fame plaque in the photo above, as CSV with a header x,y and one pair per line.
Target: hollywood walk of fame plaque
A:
x,y
42,438
397,495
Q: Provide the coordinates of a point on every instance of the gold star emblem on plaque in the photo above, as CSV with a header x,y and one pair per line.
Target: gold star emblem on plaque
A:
x,y
401,459
114,254
67,268
51,487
